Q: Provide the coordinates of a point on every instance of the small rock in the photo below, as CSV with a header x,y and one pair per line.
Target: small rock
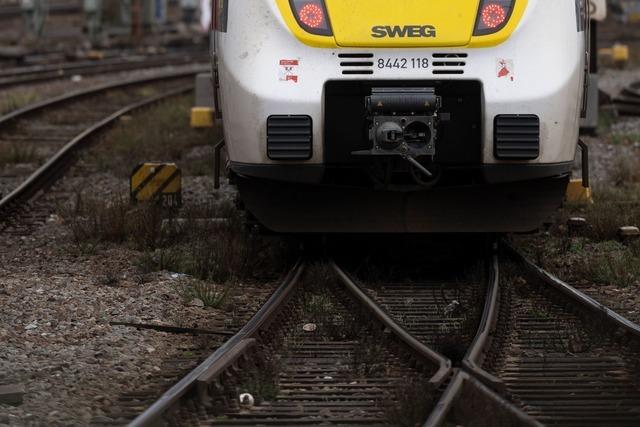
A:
x,y
12,394
31,326
76,78
150,349
310,327
197,302
452,308
629,233
246,400
577,223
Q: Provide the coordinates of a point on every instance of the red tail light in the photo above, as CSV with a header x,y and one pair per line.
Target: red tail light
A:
x,y
493,15
312,16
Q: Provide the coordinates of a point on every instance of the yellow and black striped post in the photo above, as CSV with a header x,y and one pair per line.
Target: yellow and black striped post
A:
x,y
157,182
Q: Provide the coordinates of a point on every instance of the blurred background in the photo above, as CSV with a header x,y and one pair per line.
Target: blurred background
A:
x,y
68,28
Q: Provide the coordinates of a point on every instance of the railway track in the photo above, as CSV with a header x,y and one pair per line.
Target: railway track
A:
x,y
313,335
340,359
559,356
10,77
628,102
339,351
60,127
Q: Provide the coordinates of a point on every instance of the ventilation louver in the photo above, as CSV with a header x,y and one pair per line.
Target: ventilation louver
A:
x,y
516,137
449,63
356,63
289,137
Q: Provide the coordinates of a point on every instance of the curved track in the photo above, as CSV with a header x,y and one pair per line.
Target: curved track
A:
x,y
628,102
10,77
327,350
326,374
64,125
559,356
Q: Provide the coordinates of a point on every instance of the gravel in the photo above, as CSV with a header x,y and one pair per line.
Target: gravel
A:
x,y
58,301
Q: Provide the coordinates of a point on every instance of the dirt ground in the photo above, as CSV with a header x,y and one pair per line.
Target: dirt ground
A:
x,y
594,259
59,297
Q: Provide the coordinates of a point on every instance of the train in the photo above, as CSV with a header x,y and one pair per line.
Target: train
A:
x,y
378,116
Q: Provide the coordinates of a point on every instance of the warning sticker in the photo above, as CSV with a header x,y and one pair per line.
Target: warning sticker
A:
x,y
289,70
505,69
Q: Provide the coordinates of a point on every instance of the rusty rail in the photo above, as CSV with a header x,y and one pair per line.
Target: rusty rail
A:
x,y
443,363
46,174
486,386
40,74
224,356
571,292
41,105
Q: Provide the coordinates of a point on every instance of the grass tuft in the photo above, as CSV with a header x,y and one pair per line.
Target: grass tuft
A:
x,y
16,101
212,295
621,268
165,136
17,153
410,404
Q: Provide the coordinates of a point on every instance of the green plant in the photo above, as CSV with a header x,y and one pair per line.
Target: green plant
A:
x,y
625,170
16,153
369,357
93,220
166,136
624,138
262,379
409,404
211,295
621,268
17,100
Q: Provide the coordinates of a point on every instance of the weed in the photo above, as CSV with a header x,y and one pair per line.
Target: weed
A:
x,y
219,249
624,138
165,136
92,220
17,100
369,357
606,118
540,313
213,296
625,170
613,208
409,405
17,153
262,380
621,268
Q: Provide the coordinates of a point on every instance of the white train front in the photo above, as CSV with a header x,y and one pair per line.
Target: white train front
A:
x,y
400,116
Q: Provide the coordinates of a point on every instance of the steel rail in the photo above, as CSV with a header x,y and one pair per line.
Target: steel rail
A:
x,y
463,381
39,74
476,353
224,356
484,383
43,176
443,363
9,12
41,105
571,292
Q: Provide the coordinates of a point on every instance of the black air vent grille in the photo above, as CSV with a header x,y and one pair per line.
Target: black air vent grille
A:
x,y
289,137
449,63
516,137
356,63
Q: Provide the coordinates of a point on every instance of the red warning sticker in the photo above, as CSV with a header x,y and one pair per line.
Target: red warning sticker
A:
x,y
289,70
505,69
